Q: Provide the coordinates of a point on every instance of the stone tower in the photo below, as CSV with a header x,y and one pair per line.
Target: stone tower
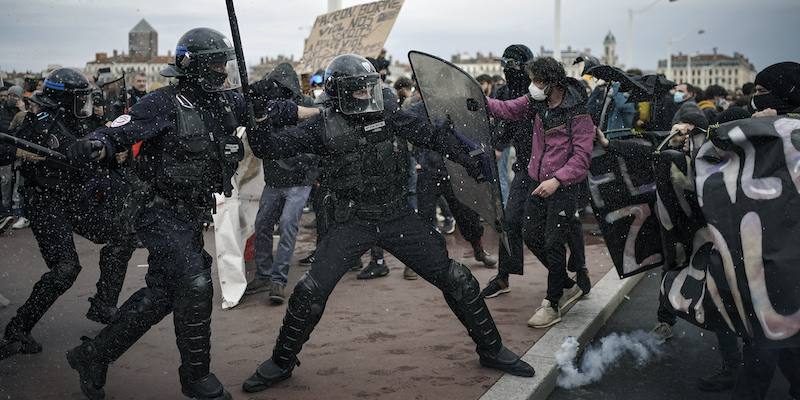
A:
x,y
143,41
610,50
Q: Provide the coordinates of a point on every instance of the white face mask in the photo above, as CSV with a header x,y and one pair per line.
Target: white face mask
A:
x,y
536,93
317,92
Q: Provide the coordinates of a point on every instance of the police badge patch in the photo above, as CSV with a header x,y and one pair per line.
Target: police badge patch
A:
x,y
121,120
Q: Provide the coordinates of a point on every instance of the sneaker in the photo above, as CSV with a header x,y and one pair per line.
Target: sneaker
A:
x,y
356,265
257,285
375,269
277,293
21,223
722,379
662,331
582,279
496,287
569,296
409,274
546,315
484,257
448,226
5,223
306,262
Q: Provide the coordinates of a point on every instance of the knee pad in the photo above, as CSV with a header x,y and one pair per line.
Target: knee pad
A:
x,y
457,281
195,292
147,306
308,298
64,275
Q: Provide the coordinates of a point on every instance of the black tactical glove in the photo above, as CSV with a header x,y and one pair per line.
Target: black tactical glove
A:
x,y
86,150
475,169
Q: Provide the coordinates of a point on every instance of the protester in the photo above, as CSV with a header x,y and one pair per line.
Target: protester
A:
x,y
138,88
287,184
559,161
684,96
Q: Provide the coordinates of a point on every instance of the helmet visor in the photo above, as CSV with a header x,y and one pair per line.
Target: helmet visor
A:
x,y
218,71
83,104
360,94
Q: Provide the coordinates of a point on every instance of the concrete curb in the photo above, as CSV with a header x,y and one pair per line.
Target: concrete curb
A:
x,y
582,321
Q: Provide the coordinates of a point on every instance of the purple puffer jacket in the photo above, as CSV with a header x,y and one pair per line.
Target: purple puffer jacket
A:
x,y
550,150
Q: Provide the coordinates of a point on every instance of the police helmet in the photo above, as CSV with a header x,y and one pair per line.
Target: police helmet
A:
x,y
207,57
352,83
66,88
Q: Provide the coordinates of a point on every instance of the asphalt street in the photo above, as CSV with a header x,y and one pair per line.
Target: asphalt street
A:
x,y
690,354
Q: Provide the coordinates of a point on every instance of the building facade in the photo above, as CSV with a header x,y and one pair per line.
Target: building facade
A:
x,y
142,57
481,64
703,70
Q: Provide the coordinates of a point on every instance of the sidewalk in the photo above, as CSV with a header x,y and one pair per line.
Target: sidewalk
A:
x,y
387,338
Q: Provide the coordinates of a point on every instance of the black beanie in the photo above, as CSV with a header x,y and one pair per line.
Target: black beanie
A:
x,y
782,80
518,52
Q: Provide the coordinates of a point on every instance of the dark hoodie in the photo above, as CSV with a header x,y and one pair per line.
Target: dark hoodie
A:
x,y
300,170
516,133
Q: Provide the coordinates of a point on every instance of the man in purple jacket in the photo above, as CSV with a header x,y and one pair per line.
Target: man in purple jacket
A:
x,y
560,155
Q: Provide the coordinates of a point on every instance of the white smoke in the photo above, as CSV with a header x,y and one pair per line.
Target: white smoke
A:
x,y
599,358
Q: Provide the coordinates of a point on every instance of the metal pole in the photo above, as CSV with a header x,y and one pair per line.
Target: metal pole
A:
x,y
629,52
557,44
668,73
689,77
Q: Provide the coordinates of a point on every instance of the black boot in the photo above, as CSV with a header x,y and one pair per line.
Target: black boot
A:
x,y
462,293
505,360
266,375
207,388
303,312
14,341
91,370
100,312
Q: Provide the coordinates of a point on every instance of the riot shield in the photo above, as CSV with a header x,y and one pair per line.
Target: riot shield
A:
x,y
450,94
623,192
113,99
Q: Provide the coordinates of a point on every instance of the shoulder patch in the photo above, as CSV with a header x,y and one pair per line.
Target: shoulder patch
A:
x,y
121,120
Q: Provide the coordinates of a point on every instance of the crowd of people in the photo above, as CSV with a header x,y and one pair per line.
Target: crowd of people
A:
x,y
353,145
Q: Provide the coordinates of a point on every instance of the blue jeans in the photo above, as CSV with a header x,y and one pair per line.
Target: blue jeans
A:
x,y
283,205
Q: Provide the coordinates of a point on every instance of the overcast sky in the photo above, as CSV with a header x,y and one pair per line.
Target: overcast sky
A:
x,y
36,33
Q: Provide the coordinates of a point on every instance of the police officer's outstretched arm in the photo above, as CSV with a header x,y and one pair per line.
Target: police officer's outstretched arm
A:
x,y
146,120
273,143
420,132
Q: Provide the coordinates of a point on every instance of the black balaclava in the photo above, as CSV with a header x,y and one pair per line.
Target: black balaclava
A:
x,y
517,80
783,82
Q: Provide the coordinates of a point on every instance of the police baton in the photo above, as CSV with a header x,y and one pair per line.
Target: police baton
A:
x,y
32,147
237,45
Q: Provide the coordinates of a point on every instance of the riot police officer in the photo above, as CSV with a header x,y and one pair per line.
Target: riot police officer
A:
x,y
365,169
189,152
62,198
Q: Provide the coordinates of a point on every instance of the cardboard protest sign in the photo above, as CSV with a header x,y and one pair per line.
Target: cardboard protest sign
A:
x,y
360,29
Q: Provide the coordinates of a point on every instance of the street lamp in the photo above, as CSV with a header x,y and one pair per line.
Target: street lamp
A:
x,y
631,12
671,42
557,36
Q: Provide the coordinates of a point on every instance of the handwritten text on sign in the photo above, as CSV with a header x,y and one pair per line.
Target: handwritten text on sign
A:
x,y
361,29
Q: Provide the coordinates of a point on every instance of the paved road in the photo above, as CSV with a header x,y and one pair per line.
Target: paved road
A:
x,y
389,338
687,356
